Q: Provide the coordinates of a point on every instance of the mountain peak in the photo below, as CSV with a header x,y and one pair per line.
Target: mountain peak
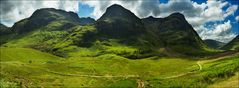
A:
x,y
4,29
150,17
237,37
54,14
115,6
44,16
177,15
3,26
118,11
119,22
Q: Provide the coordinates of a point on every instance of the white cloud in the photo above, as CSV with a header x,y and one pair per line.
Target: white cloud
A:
x,y
186,7
230,10
237,18
222,28
220,32
13,11
138,7
213,12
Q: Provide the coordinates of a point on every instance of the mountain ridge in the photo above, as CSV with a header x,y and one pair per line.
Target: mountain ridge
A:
x,y
118,22
232,45
45,16
214,44
175,31
168,36
4,30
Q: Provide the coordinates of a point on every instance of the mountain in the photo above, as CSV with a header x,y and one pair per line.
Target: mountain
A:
x,y
45,29
4,30
118,31
171,32
45,16
86,20
3,26
232,45
5,33
175,33
213,43
118,22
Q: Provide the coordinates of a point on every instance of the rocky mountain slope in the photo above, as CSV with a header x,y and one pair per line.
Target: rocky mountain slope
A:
x,y
57,31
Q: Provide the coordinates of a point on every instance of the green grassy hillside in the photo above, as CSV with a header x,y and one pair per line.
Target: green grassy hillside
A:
x,y
232,82
210,73
31,68
63,33
54,48
25,55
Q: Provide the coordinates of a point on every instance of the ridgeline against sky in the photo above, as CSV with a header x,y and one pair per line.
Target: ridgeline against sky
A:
x,y
212,19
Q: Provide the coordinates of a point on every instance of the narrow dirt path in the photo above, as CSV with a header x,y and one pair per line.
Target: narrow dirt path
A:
x,y
222,56
179,75
201,62
140,83
199,65
94,76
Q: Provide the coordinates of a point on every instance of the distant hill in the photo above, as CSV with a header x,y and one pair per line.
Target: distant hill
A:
x,y
4,29
5,33
86,20
232,45
45,16
214,44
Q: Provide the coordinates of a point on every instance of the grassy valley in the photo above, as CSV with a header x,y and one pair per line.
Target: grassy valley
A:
x,y
25,67
57,49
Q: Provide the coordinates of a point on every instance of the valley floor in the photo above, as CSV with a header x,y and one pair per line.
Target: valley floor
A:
x,y
23,67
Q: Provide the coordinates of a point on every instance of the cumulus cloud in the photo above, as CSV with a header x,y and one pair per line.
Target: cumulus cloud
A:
x,y
198,15
213,12
138,7
230,10
220,32
13,10
237,18
184,6
147,8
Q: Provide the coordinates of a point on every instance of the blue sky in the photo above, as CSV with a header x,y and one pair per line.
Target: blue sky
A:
x,y
85,10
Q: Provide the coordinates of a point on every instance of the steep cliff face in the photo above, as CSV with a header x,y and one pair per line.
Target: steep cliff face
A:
x,y
175,33
118,22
